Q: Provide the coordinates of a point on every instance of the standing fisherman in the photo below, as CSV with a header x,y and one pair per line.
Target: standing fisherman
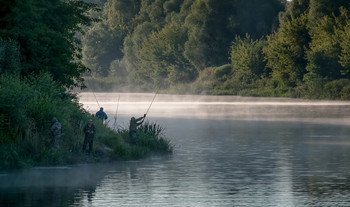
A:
x,y
90,132
101,114
56,131
134,123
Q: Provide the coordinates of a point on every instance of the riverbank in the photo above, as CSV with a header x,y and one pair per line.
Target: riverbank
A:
x,y
220,81
26,109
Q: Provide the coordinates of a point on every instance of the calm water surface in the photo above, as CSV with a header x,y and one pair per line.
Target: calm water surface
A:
x,y
229,151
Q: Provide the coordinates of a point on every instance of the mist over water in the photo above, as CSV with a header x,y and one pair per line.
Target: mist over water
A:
x,y
229,151
219,107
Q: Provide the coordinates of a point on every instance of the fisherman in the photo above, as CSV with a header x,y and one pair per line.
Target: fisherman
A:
x,y
134,123
89,131
101,114
56,131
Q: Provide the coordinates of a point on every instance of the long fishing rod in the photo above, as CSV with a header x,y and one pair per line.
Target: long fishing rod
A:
x,y
96,98
116,113
152,101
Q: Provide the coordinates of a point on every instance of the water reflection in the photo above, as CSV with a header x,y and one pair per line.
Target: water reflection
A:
x,y
233,161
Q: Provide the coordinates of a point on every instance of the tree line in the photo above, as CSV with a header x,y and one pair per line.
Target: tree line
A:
x,y
247,47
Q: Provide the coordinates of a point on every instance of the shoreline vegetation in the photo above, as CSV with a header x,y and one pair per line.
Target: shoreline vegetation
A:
x,y
27,108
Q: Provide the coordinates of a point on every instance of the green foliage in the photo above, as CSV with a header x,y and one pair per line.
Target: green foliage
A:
x,y
10,158
46,34
294,9
329,48
9,57
101,47
345,92
150,135
321,8
336,89
223,72
163,53
324,50
248,59
286,52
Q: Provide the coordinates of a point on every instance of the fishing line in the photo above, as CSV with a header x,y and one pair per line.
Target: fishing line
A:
x,y
152,101
116,113
95,97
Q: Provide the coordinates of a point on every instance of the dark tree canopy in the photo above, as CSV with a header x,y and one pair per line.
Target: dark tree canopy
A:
x,y
46,32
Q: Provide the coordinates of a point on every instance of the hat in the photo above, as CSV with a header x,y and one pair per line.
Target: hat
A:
x,y
90,120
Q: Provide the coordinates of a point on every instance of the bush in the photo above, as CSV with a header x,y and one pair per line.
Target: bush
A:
x,y
334,89
150,135
345,92
223,72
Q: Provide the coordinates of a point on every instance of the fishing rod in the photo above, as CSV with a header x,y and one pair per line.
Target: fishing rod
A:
x,y
152,101
96,98
116,113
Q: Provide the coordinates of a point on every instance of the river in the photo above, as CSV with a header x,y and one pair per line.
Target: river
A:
x,y
229,151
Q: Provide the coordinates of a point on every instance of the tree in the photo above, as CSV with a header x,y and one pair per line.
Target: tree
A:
x,y
212,27
163,53
247,59
132,47
321,8
103,43
294,9
46,34
323,57
286,52
101,46
329,50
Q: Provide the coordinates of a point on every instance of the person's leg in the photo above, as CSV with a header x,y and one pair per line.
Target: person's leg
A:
x,y
55,142
84,145
90,145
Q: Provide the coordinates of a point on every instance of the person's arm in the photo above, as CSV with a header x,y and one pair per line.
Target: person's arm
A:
x,y
141,118
106,117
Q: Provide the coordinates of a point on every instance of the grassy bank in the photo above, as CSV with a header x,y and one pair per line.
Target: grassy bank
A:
x,y
27,107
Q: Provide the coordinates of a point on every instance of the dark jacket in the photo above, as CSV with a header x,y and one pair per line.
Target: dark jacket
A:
x,y
89,131
135,122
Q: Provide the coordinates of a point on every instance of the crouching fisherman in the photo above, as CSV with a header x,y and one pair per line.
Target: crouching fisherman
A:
x,y
89,131
134,123
56,131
